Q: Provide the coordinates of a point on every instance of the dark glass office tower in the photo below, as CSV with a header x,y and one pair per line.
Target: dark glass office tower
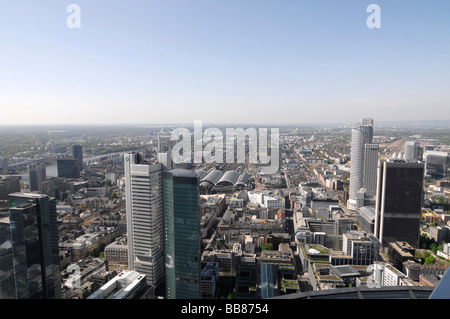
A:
x,y
182,234
36,176
438,164
77,152
399,202
68,168
7,286
34,243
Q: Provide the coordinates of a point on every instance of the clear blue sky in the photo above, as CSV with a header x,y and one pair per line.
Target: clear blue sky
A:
x,y
239,61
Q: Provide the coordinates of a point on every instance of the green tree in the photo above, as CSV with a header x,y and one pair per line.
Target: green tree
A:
x,y
267,246
433,248
430,260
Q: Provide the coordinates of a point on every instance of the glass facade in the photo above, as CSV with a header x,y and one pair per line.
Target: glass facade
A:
x,y
33,233
182,234
400,202
7,288
77,152
438,166
68,168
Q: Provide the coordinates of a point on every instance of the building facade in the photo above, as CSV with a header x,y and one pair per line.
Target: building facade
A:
x,y
34,243
399,202
36,176
77,153
68,168
144,210
182,234
364,156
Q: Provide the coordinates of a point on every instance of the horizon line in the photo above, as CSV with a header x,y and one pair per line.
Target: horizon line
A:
x,y
421,121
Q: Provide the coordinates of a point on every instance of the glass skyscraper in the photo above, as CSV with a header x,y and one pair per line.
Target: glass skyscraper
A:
x,y
399,202
33,239
77,152
7,286
182,234
36,175
68,168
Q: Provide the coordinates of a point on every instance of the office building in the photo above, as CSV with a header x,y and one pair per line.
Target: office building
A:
x,y
68,168
8,184
166,160
363,248
366,218
370,169
7,285
128,285
364,157
34,243
413,151
437,164
399,202
77,152
145,219
209,277
36,176
182,234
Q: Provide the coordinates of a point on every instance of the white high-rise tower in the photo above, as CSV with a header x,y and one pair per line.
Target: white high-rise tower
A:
x,y
364,160
145,217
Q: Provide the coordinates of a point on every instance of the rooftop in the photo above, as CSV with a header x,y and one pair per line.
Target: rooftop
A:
x,y
178,172
392,292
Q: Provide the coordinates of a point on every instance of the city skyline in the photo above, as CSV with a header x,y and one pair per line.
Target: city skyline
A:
x,y
234,62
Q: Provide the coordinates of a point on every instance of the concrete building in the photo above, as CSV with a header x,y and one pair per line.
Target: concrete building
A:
x,y
117,254
392,276
145,217
366,218
439,234
413,152
209,277
361,247
129,285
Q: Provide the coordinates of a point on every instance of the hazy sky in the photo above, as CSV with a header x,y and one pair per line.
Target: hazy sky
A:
x,y
239,61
